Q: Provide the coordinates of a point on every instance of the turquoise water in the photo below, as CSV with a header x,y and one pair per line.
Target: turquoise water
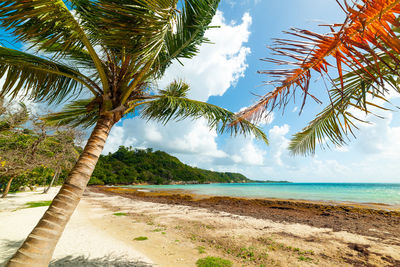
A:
x,y
352,192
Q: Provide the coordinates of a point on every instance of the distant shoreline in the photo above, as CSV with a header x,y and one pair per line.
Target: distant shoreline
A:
x,y
196,182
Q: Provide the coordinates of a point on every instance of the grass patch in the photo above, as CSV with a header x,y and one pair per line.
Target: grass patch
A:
x,y
302,258
213,262
35,204
201,249
163,233
140,238
157,230
120,214
246,253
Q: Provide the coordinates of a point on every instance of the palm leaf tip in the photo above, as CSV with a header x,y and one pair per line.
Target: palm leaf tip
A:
x,y
368,27
172,104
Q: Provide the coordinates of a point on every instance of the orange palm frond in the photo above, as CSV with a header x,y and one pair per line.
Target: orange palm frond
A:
x,y
367,30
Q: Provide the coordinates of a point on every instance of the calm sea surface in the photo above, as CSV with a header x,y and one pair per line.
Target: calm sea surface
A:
x,y
353,192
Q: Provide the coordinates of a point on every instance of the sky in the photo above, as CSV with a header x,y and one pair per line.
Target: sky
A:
x,y
225,73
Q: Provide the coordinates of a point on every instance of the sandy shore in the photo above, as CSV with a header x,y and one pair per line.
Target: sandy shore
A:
x,y
179,231
252,232
82,243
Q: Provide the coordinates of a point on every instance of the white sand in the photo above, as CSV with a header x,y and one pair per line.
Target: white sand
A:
x,y
82,243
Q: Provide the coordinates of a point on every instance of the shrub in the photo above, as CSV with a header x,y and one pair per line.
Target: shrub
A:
x,y
140,238
213,262
120,214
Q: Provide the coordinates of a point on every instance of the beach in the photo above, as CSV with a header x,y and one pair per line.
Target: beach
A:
x,y
180,228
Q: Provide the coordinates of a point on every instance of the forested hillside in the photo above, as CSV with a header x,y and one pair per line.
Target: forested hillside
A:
x,y
128,166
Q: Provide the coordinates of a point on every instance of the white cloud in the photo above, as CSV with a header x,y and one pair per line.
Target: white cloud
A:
x,y
218,66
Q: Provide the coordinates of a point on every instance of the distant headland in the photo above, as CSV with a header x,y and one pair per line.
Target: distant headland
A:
x,y
145,166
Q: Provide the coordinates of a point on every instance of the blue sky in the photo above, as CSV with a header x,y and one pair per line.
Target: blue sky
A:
x,y
225,74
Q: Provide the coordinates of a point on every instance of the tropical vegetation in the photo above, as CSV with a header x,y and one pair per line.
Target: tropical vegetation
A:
x,y
105,57
130,166
364,50
31,152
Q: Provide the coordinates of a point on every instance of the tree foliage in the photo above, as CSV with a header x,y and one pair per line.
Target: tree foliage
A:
x,y
113,51
30,150
128,166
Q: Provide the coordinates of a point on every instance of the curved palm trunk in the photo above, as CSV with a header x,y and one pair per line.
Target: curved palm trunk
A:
x,y
5,193
38,248
51,183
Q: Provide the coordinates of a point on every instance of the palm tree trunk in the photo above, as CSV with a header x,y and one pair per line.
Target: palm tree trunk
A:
x,y
38,248
51,183
5,193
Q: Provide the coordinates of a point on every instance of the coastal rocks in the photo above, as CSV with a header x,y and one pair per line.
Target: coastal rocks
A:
x,y
24,189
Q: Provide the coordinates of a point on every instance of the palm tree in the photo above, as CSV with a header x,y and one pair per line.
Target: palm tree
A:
x,y
113,51
364,50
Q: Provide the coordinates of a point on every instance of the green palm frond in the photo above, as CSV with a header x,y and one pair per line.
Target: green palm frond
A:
x,y
190,26
78,56
176,88
84,112
43,23
335,123
135,25
172,105
38,78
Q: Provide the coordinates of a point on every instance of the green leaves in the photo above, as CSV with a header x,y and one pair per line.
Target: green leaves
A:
x,y
84,112
189,29
44,23
172,104
37,78
176,88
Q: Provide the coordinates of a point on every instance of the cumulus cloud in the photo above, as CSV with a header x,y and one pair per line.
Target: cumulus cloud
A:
x,y
218,66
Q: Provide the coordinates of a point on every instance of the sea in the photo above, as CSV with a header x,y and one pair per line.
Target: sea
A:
x,y
383,193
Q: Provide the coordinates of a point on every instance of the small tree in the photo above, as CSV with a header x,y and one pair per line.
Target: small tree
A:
x,y
14,144
61,146
26,152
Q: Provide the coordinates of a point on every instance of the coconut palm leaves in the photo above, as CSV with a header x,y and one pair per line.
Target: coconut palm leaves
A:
x,y
39,78
366,46
337,120
173,104
170,103
111,49
189,29
44,23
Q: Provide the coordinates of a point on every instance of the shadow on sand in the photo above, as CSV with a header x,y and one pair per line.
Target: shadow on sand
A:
x,y
9,247
107,261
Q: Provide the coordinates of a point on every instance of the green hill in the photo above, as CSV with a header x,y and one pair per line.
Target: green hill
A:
x,y
128,166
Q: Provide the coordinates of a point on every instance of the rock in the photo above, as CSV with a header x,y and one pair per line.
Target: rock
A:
x,y
23,188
